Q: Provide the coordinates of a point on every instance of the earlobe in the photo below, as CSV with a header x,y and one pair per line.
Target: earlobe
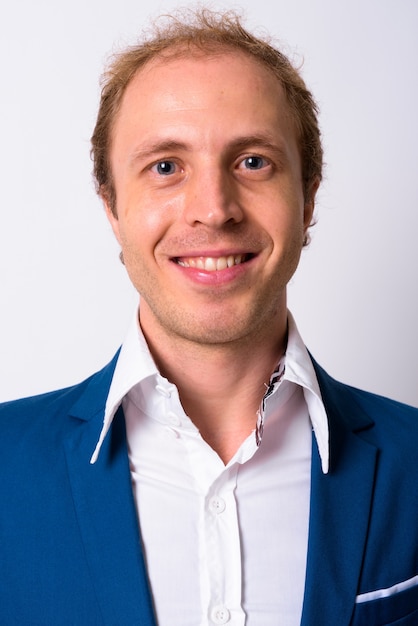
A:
x,y
113,219
308,213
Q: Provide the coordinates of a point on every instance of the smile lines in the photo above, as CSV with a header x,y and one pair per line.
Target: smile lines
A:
x,y
213,264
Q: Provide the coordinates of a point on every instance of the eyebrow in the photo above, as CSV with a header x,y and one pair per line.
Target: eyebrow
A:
x,y
152,149
258,141
240,143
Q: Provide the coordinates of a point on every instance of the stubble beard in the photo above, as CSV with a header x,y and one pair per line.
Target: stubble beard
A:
x,y
228,323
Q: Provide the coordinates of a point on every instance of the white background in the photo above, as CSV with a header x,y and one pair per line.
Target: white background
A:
x,y
65,301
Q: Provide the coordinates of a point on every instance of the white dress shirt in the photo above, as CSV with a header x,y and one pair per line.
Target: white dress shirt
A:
x,y
224,544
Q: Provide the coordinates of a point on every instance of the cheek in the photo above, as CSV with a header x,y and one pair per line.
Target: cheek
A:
x,y
286,217
287,233
142,226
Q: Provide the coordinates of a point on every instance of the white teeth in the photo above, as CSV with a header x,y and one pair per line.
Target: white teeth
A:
x,y
211,264
222,263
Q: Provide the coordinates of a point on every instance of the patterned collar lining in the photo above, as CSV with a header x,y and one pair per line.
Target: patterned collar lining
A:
x,y
275,380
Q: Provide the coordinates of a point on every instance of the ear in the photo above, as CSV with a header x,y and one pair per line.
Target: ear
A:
x,y
309,206
111,216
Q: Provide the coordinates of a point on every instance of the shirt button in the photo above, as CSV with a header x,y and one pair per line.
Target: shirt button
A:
x,y
217,505
220,615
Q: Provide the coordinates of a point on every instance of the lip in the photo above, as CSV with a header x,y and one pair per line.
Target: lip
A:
x,y
212,263
193,265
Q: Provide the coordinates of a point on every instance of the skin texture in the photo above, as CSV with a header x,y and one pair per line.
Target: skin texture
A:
x,y
207,171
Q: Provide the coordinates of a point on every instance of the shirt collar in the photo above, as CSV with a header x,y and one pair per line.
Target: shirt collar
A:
x,y
135,364
300,370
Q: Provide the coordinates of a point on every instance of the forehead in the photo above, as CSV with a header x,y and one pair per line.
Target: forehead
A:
x,y
181,59
210,97
184,75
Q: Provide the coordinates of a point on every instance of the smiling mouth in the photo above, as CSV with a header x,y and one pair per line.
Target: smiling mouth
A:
x,y
213,264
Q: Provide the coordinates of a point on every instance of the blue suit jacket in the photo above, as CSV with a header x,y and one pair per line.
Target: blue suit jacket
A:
x,y
70,549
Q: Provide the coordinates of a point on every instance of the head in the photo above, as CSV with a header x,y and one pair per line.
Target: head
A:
x,y
207,158
184,34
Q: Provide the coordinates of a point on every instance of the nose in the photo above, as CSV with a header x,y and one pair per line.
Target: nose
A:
x,y
212,199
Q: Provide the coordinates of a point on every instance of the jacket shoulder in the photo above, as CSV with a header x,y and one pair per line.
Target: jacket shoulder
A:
x,y
377,418
21,419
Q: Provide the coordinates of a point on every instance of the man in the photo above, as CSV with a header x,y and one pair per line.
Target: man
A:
x,y
213,473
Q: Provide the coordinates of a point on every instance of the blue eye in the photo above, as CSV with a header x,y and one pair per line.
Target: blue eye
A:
x,y
164,168
254,163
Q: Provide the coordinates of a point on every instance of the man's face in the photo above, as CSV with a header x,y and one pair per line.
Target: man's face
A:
x,y
210,208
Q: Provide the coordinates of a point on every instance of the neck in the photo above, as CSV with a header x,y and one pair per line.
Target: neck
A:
x,y
220,386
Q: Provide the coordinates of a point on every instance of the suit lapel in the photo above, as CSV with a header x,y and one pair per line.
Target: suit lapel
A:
x,y
107,515
340,509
